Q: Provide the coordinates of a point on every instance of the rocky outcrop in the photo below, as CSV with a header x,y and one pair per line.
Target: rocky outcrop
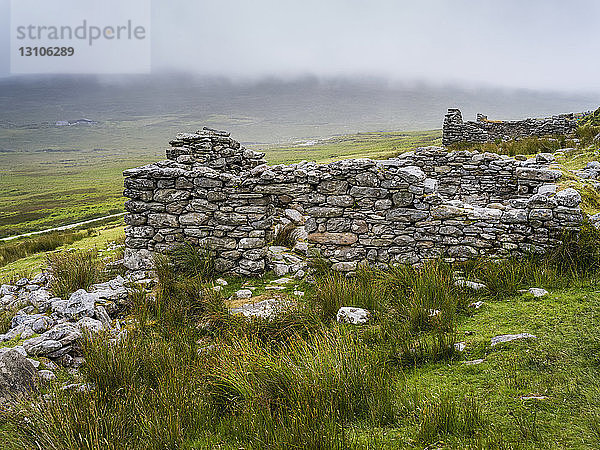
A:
x,y
50,327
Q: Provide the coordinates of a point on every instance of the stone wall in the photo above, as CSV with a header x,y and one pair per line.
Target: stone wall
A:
x,y
424,204
484,130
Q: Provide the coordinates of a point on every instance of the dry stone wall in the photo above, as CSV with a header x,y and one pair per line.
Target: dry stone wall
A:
x,y
483,130
424,204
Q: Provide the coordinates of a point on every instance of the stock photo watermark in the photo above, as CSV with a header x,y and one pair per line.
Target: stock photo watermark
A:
x,y
108,37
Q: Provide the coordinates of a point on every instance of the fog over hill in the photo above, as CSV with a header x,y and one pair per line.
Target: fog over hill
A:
x,y
146,111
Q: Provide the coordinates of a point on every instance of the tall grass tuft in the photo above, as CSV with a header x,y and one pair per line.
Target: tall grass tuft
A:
x,y
319,265
396,343
183,295
425,297
527,425
73,270
579,252
448,415
502,277
193,261
286,235
334,290
588,134
577,256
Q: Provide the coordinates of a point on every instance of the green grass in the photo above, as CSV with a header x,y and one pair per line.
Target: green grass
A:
x,y
16,249
189,375
561,365
96,237
39,192
375,145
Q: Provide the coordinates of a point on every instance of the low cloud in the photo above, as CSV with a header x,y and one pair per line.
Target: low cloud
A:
x,y
538,44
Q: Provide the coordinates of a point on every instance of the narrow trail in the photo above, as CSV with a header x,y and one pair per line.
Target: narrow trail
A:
x,y
64,227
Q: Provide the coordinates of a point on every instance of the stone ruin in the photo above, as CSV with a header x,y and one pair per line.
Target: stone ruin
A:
x,y
424,204
484,130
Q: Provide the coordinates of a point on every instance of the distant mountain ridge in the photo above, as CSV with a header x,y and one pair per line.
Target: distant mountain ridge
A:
x,y
154,108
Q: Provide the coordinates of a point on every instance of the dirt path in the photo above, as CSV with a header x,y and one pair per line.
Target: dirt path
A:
x,y
64,227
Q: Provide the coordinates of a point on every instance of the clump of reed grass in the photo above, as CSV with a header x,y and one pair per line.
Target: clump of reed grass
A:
x,y
448,415
144,393
578,253
6,316
192,261
285,235
425,297
73,270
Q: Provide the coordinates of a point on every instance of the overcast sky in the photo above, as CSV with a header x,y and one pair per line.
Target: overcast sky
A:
x,y
539,44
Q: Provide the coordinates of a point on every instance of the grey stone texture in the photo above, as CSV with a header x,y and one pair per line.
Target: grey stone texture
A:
x,y
423,204
484,130
18,377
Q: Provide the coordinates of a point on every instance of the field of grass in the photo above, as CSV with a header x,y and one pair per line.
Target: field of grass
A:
x,y
96,237
375,145
190,375
45,190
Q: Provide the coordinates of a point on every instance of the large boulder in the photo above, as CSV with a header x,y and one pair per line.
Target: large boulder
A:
x,y
18,377
264,309
138,259
39,299
568,197
113,290
511,337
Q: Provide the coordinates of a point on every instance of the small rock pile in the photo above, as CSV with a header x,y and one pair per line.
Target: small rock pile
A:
x,y
591,171
18,376
50,327
284,261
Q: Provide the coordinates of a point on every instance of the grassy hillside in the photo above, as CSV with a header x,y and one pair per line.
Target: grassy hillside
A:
x,y
376,145
31,252
43,190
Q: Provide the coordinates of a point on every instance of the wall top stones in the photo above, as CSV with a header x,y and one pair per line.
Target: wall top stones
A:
x,y
215,149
